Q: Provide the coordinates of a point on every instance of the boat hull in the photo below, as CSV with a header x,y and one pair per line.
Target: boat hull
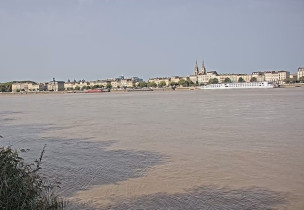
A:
x,y
248,85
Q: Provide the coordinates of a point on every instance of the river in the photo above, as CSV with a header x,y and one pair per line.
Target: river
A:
x,y
208,149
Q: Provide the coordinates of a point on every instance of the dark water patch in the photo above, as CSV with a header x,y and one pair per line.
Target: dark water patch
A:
x,y
2,113
82,164
7,116
209,198
5,119
79,163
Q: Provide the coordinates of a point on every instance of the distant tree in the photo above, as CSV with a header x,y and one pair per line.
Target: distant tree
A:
x,y
2,88
142,84
95,86
152,84
77,88
190,82
84,87
162,84
241,79
213,81
289,80
6,87
227,80
183,82
134,84
253,79
301,79
173,84
109,86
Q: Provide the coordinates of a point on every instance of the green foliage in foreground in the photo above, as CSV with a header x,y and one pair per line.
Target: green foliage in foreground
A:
x,y
21,187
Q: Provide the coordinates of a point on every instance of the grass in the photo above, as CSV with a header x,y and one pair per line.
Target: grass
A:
x,y
22,186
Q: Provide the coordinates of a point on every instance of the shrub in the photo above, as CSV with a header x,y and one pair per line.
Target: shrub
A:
x,y
22,187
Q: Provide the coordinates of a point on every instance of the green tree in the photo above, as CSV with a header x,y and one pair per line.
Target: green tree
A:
x,y
183,82
162,84
152,84
241,79
84,87
142,84
2,88
301,79
173,84
253,79
213,81
96,86
190,82
289,80
134,84
77,88
227,80
109,86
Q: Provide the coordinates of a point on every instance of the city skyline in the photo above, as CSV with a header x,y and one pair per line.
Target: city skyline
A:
x,y
88,39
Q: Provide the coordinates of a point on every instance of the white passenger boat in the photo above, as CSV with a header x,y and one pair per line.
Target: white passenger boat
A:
x,y
238,85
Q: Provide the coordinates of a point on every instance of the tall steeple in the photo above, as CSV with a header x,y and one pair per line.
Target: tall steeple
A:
x,y
196,72
203,69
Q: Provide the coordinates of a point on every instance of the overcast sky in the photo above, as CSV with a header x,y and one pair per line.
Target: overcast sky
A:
x,y
98,39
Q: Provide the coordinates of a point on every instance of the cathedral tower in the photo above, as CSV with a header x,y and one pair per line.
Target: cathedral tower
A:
x,y
203,69
196,72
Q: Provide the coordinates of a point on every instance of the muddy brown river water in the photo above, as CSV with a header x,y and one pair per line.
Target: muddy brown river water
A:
x,y
212,149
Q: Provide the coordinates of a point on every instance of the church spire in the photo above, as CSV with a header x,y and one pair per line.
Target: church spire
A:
x,y
203,69
196,72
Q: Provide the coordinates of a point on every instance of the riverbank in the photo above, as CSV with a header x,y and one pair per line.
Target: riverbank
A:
x,y
293,85
296,85
82,92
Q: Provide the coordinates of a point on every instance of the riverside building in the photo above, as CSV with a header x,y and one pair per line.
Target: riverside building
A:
x,y
27,87
203,77
55,85
300,72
